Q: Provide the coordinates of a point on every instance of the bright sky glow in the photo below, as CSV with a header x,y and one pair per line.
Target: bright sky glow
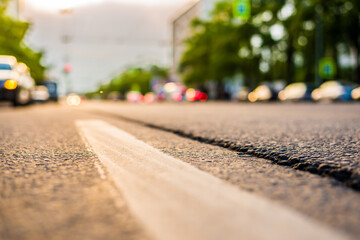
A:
x,y
56,5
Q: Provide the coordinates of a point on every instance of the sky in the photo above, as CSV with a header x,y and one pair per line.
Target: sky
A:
x,y
100,38
54,5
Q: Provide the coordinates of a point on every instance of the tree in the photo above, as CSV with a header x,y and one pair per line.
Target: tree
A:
x,y
221,48
196,59
12,33
278,41
132,79
211,53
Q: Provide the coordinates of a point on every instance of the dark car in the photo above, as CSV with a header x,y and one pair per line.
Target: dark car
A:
x,y
53,91
16,84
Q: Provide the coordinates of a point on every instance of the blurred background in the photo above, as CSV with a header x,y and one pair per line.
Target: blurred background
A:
x,y
157,50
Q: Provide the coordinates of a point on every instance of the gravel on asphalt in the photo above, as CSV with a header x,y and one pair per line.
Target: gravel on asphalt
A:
x,y
50,187
324,199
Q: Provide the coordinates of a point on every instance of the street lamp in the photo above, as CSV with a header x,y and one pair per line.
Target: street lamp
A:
x,y
66,39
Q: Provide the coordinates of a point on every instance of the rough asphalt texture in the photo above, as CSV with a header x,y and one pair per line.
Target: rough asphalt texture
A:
x,y
319,138
324,199
49,185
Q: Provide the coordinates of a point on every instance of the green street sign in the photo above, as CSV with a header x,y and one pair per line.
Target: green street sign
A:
x,y
242,9
327,68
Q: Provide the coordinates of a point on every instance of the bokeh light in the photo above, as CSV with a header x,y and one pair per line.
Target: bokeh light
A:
x,y
170,87
134,97
73,99
355,93
149,98
203,97
190,94
261,93
293,91
177,96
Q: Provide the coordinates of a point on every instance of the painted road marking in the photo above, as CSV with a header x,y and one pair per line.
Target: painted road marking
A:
x,y
176,201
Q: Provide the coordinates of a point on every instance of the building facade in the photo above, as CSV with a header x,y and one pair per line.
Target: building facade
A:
x,y
14,8
181,27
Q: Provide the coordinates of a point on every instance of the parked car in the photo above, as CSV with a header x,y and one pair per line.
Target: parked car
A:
x,y
53,91
242,95
266,92
333,90
40,94
16,84
355,93
295,92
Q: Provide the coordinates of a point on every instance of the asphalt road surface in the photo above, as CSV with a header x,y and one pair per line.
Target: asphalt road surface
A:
x,y
62,177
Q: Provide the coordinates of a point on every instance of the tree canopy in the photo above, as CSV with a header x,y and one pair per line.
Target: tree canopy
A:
x,y
137,79
278,41
12,33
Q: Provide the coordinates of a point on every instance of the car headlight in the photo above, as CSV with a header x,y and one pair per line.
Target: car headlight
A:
x,y
10,84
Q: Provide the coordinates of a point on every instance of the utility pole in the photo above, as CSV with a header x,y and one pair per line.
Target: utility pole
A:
x,y
319,44
20,8
66,39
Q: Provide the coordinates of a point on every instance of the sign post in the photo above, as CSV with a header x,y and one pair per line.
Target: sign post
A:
x,y
327,68
242,9
66,70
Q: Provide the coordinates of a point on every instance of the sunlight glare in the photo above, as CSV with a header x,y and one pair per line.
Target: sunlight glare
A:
x,y
56,5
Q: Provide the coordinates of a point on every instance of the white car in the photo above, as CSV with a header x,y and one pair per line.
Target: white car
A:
x,y
16,84
333,91
40,94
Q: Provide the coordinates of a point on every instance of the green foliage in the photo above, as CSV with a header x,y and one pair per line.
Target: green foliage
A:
x,y
12,33
132,79
223,46
136,79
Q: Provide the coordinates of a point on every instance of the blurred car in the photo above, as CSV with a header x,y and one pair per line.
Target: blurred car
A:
x,y
355,93
333,90
52,89
242,95
40,94
134,97
193,95
114,96
16,84
174,91
295,92
266,92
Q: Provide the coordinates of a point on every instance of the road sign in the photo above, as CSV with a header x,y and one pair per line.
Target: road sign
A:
x,y
68,67
242,9
327,68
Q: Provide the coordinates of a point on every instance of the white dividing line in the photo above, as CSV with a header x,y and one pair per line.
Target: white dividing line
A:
x,y
97,165
176,201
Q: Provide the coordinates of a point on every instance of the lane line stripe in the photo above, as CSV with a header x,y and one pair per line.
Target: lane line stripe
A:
x,y
97,165
176,201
